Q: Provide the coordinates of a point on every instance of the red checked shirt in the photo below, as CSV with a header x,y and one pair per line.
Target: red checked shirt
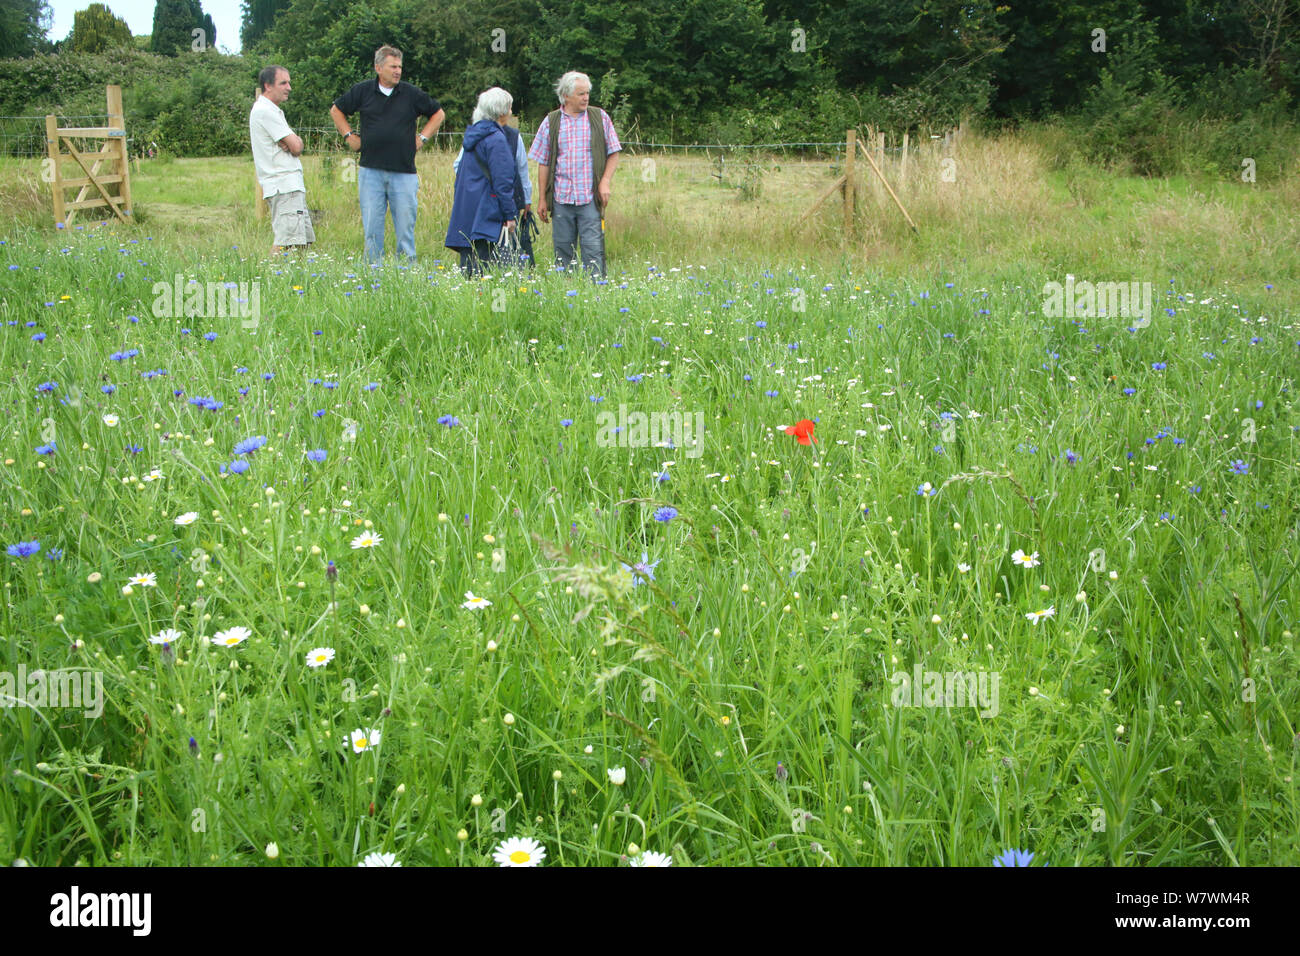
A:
x,y
573,170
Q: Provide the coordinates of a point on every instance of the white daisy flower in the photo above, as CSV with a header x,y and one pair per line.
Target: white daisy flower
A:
x,y
320,656
364,739
963,567
380,859
187,519
473,603
617,775
367,539
1026,560
1035,616
147,580
153,475
168,636
650,858
519,851
111,420
236,635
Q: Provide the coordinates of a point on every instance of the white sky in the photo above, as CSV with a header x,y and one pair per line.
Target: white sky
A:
x,y
139,16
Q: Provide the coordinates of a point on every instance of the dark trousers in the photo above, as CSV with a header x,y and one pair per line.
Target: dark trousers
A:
x,y
481,254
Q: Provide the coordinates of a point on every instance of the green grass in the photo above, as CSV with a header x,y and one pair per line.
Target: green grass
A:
x,y
1150,721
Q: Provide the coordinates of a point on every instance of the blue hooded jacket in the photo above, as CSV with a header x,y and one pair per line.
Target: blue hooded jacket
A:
x,y
480,208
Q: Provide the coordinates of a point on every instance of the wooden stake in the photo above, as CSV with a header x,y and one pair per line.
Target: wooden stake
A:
x,y
850,194
902,166
899,204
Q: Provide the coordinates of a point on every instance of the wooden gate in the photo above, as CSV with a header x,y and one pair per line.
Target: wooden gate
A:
x,y
107,167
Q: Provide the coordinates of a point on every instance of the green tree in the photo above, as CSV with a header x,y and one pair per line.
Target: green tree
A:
x,y
23,25
174,22
96,29
258,17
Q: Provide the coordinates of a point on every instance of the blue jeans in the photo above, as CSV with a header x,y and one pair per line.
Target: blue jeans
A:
x,y
379,191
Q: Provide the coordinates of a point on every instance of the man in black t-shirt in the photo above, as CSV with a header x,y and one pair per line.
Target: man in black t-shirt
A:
x,y
386,178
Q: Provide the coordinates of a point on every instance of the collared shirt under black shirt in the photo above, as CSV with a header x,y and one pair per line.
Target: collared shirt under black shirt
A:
x,y
387,122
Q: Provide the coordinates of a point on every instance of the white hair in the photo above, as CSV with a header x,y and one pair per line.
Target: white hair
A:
x,y
493,104
565,86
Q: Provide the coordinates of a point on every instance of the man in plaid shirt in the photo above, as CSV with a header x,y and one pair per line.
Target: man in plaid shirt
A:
x,y
576,151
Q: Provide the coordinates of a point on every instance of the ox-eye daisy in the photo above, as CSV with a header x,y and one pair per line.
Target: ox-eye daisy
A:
x,y
146,580
519,851
364,739
475,603
1026,560
650,858
236,635
380,859
320,656
367,539
1035,616
168,636
188,518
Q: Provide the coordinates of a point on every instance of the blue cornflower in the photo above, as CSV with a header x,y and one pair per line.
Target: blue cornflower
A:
x,y
451,421
250,445
55,554
243,391
1240,467
938,449
1070,457
118,356
760,324
330,384
665,514
319,413
595,399
49,449
772,394
1166,516
1255,340
1130,391
1195,490
566,422
134,449
1208,355
108,389
748,378
47,386
371,386
38,337
316,454
23,549
634,379
1014,858
239,467
663,476
209,336
132,353
642,569
185,331
1180,441
267,376
241,371
1159,366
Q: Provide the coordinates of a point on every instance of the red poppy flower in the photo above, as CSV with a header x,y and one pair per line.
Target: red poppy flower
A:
x,y
803,431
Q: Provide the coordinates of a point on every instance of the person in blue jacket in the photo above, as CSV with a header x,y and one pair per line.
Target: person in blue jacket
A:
x,y
484,209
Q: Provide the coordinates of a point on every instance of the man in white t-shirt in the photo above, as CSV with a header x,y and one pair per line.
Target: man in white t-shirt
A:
x,y
276,149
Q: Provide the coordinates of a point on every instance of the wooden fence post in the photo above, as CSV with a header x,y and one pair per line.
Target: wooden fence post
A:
x,y
902,167
850,188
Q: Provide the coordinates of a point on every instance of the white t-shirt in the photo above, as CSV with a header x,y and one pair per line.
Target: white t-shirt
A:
x,y
277,171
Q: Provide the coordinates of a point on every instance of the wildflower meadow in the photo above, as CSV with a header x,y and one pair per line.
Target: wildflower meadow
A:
x,y
401,568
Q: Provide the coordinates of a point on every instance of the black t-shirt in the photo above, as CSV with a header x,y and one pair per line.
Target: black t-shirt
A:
x,y
387,122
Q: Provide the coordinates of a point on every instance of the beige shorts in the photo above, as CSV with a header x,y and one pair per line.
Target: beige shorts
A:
x,y
290,219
